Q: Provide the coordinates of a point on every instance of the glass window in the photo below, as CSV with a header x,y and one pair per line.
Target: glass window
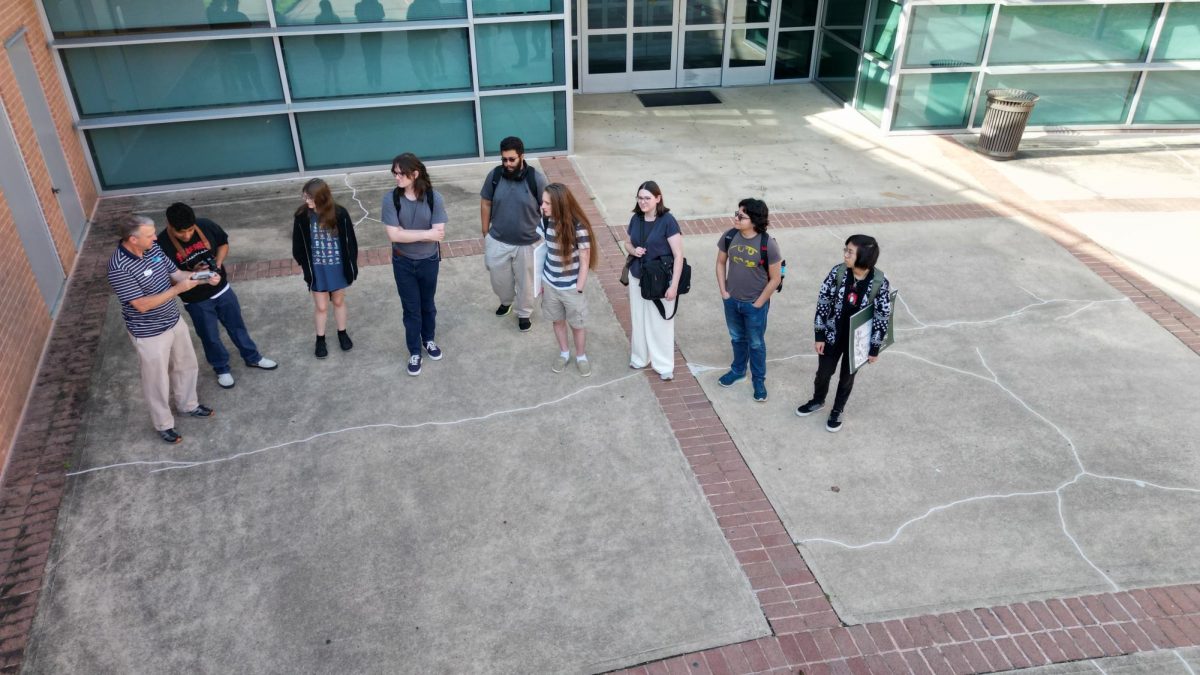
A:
x,y
652,12
1072,33
703,48
883,29
750,11
845,13
652,51
1170,98
852,36
526,53
793,56
934,101
837,68
495,7
333,138
156,154
798,13
872,90
1180,37
540,120
324,12
81,18
166,76
606,54
700,12
748,47
947,35
607,14
326,66
1070,98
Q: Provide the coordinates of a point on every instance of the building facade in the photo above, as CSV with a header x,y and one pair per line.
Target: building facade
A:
x,y
46,192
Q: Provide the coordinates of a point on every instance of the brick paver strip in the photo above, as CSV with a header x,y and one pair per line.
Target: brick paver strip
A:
x,y
806,632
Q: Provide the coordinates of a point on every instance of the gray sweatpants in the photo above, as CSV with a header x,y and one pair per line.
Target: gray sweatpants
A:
x,y
511,269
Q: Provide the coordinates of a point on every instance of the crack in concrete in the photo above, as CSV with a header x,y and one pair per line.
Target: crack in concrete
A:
x,y
170,465
1040,302
354,196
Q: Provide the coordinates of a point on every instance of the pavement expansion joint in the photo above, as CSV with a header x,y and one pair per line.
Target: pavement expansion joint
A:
x,y
169,465
354,196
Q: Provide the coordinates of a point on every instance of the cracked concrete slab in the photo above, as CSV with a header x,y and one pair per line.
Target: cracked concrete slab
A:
x,y
488,516
1167,662
977,461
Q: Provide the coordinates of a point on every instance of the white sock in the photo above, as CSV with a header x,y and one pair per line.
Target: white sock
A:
x,y
581,357
565,355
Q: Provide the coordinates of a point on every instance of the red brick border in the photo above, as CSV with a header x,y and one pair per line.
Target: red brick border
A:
x,y
806,633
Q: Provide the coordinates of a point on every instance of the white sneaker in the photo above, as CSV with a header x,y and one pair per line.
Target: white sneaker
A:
x,y
225,380
265,364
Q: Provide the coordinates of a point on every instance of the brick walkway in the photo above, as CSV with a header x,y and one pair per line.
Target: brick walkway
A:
x,y
806,632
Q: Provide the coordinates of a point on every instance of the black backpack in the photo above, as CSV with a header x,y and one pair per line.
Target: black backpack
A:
x,y
428,200
530,180
762,252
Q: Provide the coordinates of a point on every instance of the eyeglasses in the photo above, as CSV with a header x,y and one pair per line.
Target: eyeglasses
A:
x,y
645,199
398,173
848,251
510,160
738,215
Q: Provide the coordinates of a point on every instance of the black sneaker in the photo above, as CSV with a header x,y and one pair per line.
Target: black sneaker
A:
x,y
834,424
170,436
524,324
322,351
201,411
414,365
344,341
809,408
503,310
434,351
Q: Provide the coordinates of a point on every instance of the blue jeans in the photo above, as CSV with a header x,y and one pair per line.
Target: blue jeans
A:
x,y
416,282
747,331
226,310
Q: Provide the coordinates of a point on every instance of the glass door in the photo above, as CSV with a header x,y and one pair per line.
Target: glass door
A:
x,y
750,42
630,45
701,43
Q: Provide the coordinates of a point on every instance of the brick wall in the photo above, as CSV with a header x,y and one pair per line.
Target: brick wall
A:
x,y
24,318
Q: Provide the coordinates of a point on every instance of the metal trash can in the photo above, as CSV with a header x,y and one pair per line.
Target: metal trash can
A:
x,y
1007,112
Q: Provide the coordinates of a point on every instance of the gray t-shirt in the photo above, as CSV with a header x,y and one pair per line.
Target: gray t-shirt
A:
x,y
745,277
414,215
516,213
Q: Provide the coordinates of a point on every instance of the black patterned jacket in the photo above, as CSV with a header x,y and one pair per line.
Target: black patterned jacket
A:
x,y
829,307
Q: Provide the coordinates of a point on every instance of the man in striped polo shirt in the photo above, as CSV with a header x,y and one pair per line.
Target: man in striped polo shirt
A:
x,y
147,283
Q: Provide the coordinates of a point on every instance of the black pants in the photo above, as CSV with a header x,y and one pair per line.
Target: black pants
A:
x,y
826,364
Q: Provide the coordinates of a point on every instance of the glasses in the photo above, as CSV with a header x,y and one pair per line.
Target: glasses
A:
x,y
738,215
645,199
397,174
510,160
848,251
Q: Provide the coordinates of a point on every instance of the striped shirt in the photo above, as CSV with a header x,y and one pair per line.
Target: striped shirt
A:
x,y
131,278
554,271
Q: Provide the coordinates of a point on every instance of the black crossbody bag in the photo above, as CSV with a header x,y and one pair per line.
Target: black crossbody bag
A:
x,y
656,278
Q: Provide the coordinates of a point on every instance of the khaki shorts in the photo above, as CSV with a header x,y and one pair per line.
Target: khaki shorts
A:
x,y
558,304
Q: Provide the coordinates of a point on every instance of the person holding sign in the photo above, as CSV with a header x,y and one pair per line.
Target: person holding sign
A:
x,y
849,287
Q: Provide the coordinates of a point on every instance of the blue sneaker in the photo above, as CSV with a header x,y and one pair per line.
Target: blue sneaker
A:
x,y
729,378
760,391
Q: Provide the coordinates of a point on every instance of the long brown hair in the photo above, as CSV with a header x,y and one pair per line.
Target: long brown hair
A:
x,y
407,164
566,213
318,191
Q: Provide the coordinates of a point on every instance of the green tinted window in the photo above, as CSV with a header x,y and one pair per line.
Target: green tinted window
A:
x,y
872,91
1070,98
793,57
78,18
1180,37
883,30
156,154
1170,98
538,119
1072,33
166,76
797,13
947,35
933,101
845,12
362,64
837,68
519,54
325,13
335,138
494,7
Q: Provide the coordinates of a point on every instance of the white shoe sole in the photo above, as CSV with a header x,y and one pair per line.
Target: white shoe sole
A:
x,y
804,414
833,430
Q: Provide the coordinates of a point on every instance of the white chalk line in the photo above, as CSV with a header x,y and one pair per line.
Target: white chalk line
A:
x,y
1097,667
165,465
1083,472
354,196
1182,660
1011,315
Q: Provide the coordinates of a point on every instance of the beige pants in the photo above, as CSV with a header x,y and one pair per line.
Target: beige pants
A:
x,y
168,364
653,339
511,269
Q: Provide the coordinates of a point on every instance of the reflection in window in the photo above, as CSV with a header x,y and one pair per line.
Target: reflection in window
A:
x,y
701,12
703,48
793,56
872,91
748,48
540,120
156,154
652,12
751,11
652,51
324,12
1072,33
497,7
519,53
606,54
167,76
607,13
82,18
336,138
798,13
1180,37
947,35
836,68
1170,98
325,66
846,13
1070,98
883,28
934,101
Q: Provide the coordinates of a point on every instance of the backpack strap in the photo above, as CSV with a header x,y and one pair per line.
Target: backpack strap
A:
x,y
428,201
530,180
841,272
762,254
876,284
728,239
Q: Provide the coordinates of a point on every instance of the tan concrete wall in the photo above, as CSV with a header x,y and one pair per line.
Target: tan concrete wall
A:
x,y
24,317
